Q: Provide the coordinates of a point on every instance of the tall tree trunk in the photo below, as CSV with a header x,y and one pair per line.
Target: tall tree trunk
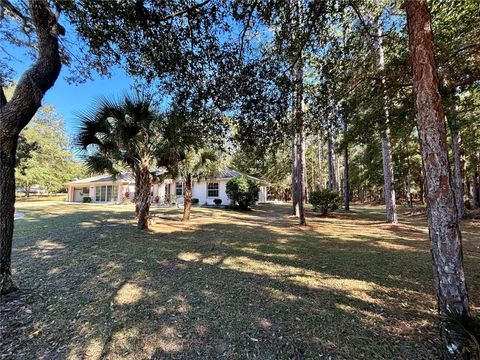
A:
x,y
346,187
320,161
187,198
458,162
331,166
474,184
475,191
144,189
444,232
408,180
388,179
294,167
300,142
16,114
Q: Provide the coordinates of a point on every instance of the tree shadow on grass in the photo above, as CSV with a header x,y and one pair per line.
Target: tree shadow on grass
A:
x,y
215,289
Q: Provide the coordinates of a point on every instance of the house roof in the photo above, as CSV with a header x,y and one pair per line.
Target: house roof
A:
x,y
230,173
122,177
128,177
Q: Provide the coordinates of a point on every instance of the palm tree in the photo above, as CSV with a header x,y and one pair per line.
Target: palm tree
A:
x,y
197,165
119,134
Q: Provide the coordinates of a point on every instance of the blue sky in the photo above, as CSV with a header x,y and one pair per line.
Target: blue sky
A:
x,y
69,99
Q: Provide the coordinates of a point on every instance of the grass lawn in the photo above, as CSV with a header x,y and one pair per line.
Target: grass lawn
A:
x,y
228,284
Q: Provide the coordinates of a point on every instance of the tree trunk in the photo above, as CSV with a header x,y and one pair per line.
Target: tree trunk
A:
x,y
331,166
475,192
444,232
144,189
458,162
7,212
300,142
136,198
320,160
388,179
27,190
16,114
187,198
346,187
294,169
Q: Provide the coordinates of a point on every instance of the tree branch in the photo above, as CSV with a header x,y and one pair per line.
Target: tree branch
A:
x,y
185,11
15,12
41,76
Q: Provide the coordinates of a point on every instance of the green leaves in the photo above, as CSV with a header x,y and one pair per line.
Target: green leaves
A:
x,y
44,154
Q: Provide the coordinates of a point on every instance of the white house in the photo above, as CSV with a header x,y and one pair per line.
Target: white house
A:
x,y
107,189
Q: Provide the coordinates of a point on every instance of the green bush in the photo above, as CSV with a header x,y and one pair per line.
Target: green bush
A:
x,y
324,200
195,201
217,202
87,199
243,192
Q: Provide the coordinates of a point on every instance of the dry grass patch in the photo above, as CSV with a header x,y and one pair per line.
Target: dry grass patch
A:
x,y
228,284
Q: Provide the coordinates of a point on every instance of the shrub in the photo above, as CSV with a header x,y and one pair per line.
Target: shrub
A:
x,y
324,200
243,192
87,199
195,201
217,202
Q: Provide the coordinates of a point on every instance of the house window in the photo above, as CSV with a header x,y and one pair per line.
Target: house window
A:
x,y
212,190
106,193
85,191
179,189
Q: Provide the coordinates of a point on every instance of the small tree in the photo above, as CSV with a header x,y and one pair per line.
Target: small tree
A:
x,y
126,134
324,200
199,164
243,192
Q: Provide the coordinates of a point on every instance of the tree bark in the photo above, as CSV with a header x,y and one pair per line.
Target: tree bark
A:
x,y
16,114
300,142
320,160
187,198
346,186
294,167
331,166
444,231
388,179
144,189
458,162
474,184
7,212
475,192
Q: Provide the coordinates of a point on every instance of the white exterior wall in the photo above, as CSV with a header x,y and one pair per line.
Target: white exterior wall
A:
x,y
262,194
199,191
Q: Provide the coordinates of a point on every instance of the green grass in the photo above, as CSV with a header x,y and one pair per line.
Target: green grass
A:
x,y
234,285
35,198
